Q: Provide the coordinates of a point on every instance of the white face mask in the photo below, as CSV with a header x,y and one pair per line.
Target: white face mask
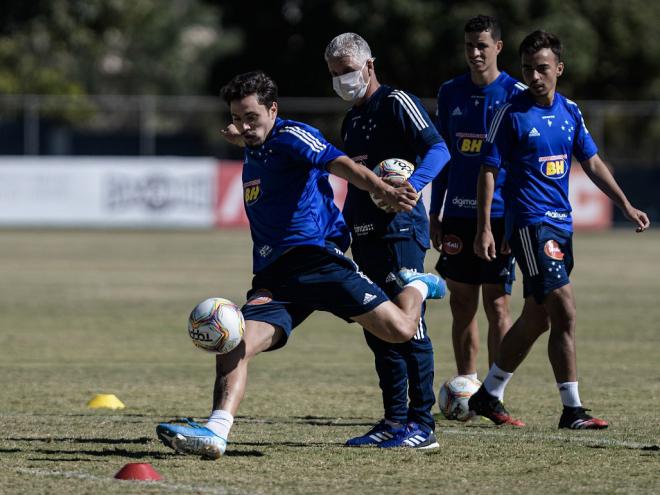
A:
x,y
351,86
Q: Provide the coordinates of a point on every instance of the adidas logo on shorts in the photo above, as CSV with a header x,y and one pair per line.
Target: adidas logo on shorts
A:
x,y
368,298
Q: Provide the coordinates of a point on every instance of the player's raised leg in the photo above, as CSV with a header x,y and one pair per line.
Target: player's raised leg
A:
x,y
397,321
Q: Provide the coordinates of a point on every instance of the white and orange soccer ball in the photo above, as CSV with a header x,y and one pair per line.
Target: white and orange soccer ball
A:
x,y
396,170
216,325
454,395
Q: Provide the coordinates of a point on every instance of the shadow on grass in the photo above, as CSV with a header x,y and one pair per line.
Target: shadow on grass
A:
x,y
60,459
140,440
290,444
243,453
133,454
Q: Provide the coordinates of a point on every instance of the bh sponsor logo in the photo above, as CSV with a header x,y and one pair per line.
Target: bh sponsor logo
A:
x,y
469,144
452,244
554,167
552,250
251,191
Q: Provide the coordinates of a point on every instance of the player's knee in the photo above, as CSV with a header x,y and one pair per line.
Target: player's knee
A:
x,y
463,305
402,330
497,310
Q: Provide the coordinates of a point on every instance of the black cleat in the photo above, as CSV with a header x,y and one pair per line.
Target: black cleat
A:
x,y
484,404
576,418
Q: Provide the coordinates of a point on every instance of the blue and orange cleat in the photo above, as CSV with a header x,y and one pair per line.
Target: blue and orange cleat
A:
x,y
436,285
194,439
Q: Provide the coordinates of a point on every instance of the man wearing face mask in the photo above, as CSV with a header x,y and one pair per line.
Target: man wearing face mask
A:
x,y
389,123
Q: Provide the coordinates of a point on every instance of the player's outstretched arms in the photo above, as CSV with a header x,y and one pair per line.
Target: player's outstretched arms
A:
x,y
600,175
231,134
401,198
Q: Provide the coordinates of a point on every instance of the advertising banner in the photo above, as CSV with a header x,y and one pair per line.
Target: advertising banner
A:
x,y
107,192
172,192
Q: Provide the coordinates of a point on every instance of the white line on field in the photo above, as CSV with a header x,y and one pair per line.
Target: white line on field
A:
x,y
542,436
161,484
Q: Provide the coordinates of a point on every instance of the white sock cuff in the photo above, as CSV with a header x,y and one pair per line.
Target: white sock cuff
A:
x,y
220,422
221,414
496,381
421,287
569,394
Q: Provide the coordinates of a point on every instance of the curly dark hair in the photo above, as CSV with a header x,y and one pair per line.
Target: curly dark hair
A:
x,y
250,83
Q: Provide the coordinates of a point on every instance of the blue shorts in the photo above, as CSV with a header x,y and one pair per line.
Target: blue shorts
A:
x,y
459,263
308,279
545,257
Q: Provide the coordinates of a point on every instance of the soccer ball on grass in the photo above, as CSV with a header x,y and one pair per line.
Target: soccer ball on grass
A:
x,y
454,395
216,325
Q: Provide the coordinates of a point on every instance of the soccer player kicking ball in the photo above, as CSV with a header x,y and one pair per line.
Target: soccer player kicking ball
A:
x,y
535,135
299,239
389,123
466,104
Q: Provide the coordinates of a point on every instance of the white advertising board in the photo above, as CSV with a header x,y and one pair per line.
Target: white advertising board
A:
x,y
107,192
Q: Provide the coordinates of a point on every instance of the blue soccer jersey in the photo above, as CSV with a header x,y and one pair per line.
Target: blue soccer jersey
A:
x,y
463,114
535,144
390,124
287,195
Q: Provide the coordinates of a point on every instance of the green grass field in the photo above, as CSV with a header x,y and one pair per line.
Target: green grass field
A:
x,y
83,313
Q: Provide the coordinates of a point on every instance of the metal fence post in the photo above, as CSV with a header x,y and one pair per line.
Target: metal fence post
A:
x,y
31,125
147,106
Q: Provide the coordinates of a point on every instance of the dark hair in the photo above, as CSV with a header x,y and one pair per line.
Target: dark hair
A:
x,y
250,83
482,23
538,40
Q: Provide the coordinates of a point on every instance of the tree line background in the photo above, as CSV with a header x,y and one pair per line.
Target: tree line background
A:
x,y
192,47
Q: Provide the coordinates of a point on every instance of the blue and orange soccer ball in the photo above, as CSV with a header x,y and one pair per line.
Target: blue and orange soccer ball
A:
x,y
216,325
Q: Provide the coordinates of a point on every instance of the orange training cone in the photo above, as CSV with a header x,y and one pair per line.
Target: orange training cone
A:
x,y
138,471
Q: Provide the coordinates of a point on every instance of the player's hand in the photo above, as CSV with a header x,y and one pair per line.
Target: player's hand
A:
x,y
504,247
638,217
231,134
393,199
435,232
484,245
